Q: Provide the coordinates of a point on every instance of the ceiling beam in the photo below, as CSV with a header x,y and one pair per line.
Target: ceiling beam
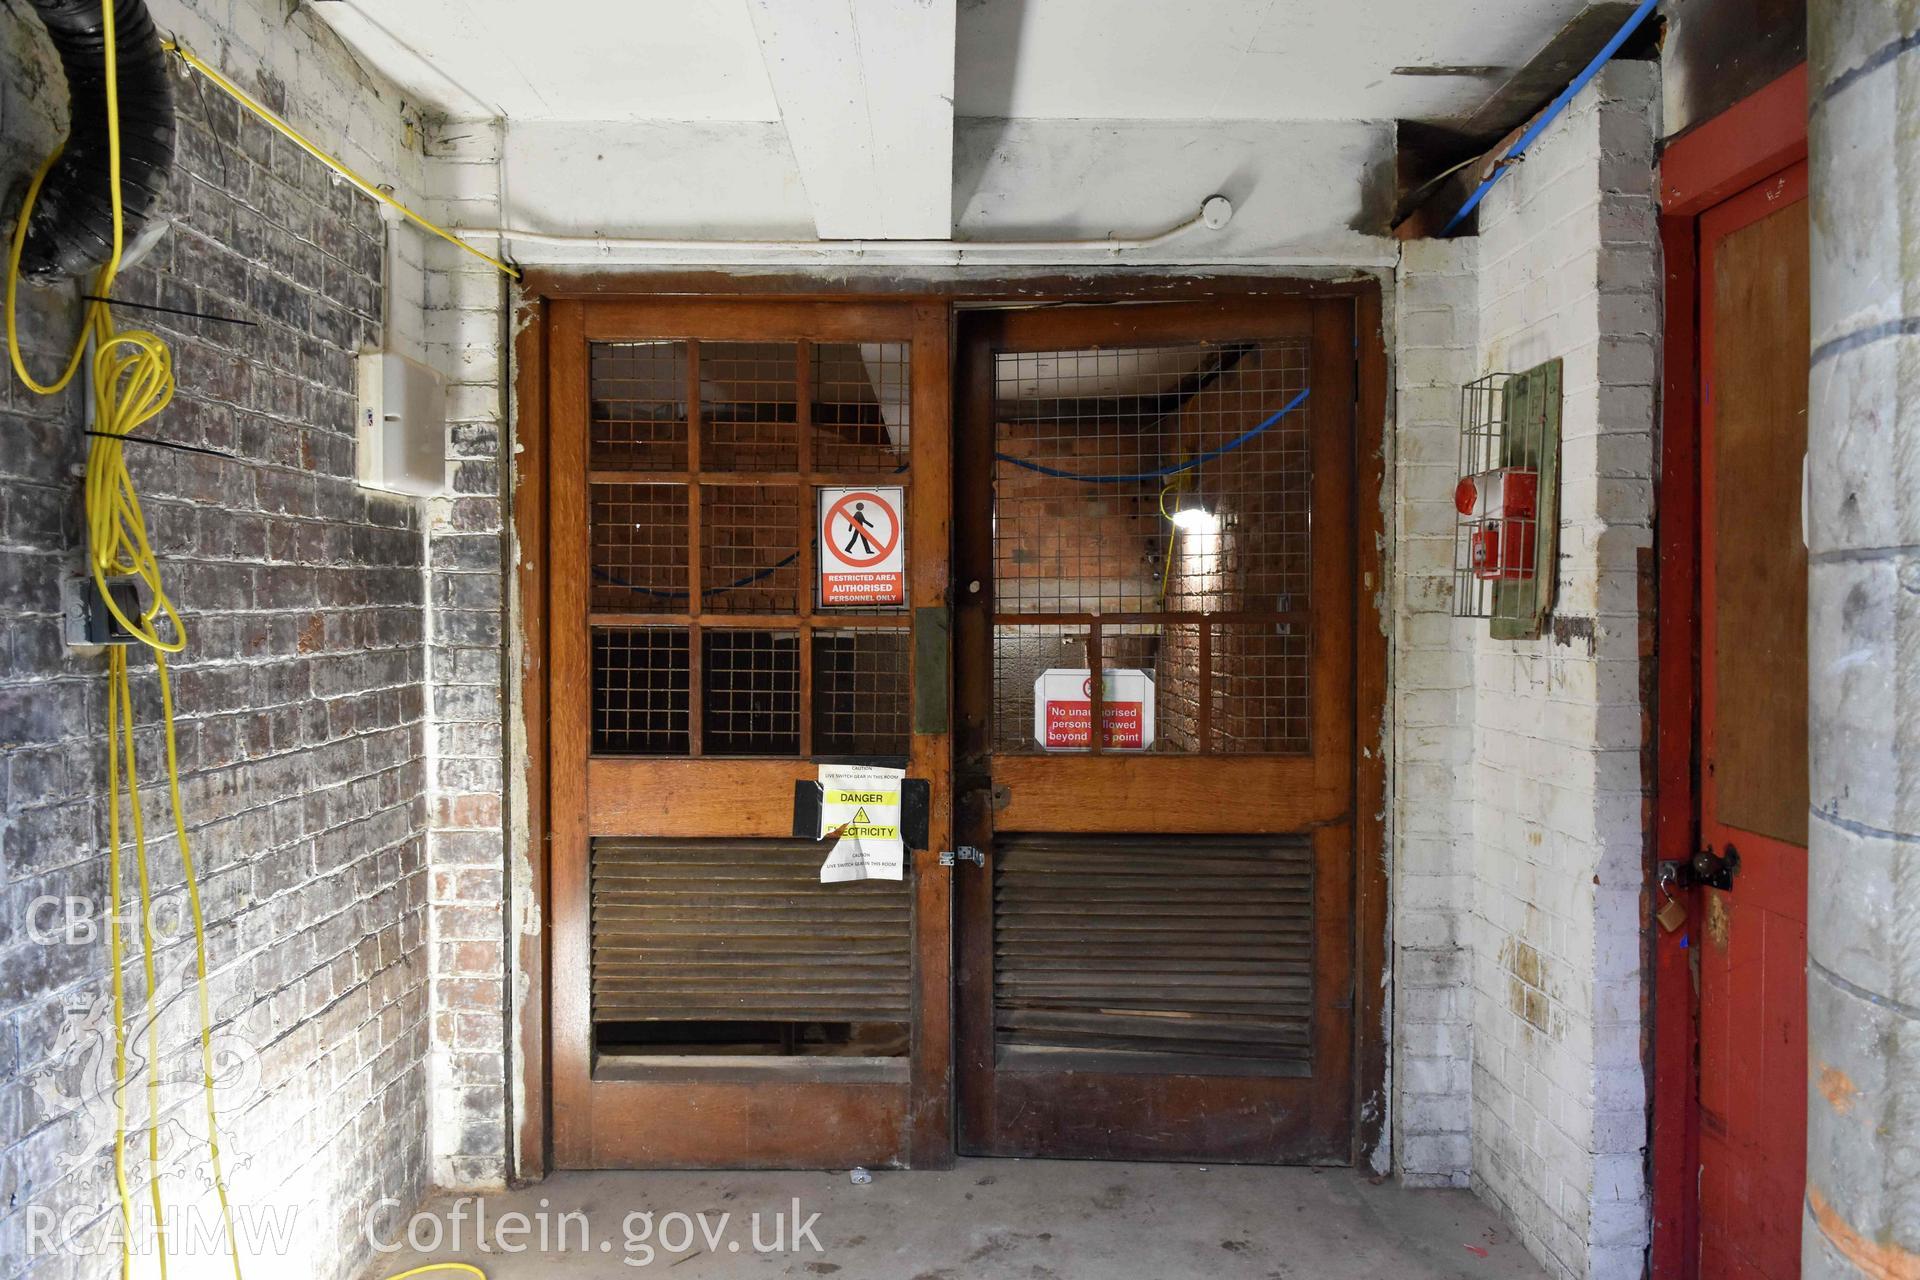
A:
x,y
866,91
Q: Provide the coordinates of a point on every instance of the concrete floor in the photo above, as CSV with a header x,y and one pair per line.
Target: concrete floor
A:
x,y
991,1220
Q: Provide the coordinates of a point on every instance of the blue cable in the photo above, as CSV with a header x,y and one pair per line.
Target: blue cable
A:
x,y
1173,469
1558,105
608,576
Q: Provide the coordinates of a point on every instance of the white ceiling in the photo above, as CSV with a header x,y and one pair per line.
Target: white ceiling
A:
x,y
1240,59
565,59
700,60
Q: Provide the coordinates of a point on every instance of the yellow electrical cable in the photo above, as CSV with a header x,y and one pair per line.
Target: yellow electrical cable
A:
x,y
115,661
294,136
147,971
59,384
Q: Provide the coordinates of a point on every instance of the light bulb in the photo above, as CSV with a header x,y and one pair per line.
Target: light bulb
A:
x,y
1196,520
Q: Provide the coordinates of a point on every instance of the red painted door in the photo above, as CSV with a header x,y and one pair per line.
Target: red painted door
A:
x,y
1747,941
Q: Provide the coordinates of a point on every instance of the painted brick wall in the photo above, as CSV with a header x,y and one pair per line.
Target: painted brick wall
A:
x,y
1568,267
1437,334
303,715
469,902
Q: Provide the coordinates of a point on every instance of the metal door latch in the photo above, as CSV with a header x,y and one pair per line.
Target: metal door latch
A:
x,y
1714,870
965,853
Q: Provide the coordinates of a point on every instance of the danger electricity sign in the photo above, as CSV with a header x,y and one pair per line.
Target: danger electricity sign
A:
x,y
863,558
860,813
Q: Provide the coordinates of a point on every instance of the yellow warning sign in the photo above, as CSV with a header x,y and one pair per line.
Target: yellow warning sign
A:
x,y
861,814
841,796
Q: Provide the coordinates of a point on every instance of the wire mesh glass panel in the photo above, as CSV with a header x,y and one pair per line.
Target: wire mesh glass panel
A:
x,y
750,704
862,692
749,548
1160,483
1021,654
1260,688
749,406
1155,477
640,680
639,406
639,547
862,402
1173,657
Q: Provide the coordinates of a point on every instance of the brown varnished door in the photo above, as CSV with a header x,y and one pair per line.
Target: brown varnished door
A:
x,y
1156,958
713,1004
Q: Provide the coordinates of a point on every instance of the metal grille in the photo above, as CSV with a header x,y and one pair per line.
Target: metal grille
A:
x,y
862,694
749,548
1020,654
743,930
1175,663
743,552
861,406
1191,945
1259,689
640,679
1507,501
749,407
639,414
1147,486
751,705
640,548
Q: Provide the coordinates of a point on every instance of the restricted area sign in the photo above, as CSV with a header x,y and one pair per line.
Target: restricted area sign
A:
x,y
863,558
1063,710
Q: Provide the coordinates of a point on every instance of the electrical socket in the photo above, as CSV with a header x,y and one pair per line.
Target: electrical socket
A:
x,y
89,623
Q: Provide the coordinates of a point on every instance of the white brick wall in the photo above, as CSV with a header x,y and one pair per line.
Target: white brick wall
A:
x,y
1437,336
1569,268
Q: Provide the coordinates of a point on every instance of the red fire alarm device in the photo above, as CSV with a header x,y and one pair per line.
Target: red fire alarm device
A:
x,y
1507,501
1500,503
1503,550
1505,493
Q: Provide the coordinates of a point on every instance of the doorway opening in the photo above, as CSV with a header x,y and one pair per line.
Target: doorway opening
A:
x,y
1139,687
1730,1041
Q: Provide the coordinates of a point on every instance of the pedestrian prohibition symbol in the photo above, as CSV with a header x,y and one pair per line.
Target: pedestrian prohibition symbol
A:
x,y
863,559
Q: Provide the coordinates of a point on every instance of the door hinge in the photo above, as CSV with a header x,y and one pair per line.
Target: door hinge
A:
x,y
965,853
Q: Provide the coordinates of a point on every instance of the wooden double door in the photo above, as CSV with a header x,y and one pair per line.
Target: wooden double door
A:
x,y
1125,669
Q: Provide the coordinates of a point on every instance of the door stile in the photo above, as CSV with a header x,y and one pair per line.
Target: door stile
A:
x,y
571,677
930,579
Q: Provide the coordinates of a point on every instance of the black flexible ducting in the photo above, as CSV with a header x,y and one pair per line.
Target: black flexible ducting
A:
x,y
71,232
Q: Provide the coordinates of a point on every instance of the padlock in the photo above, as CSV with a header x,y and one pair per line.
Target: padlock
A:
x,y
1671,915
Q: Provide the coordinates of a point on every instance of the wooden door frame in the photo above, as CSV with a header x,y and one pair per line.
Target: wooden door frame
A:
x,y
530,1151
1756,138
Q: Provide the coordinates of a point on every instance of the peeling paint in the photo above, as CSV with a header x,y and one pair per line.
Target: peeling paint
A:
x,y
1837,1087
1877,1259
1719,922
1570,631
